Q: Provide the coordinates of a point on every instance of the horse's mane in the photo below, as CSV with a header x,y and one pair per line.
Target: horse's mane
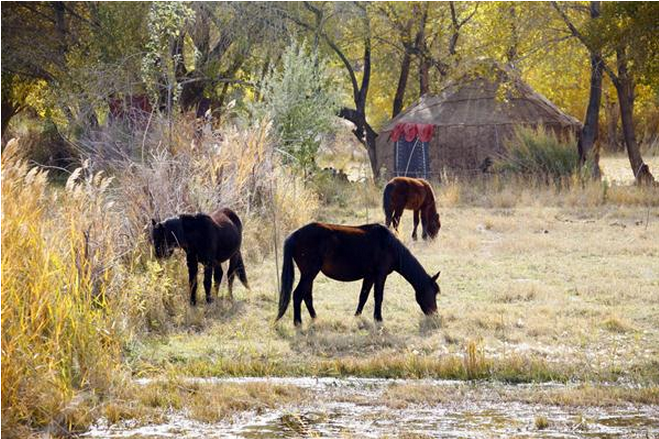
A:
x,y
407,265
429,203
174,225
192,216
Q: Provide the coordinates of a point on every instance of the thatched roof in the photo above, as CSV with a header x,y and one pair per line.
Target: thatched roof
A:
x,y
484,101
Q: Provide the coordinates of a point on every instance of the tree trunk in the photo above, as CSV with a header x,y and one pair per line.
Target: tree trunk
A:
x,y
586,145
9,110
612,117
625,88
513,52
422,48
402,84
424,76
365,133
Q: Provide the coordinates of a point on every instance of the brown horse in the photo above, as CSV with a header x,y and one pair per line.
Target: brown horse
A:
x,y
414,194
344,253
206,239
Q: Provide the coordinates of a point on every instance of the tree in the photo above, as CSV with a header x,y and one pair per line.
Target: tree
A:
x,y
228,42
75,54
35,40
588,134
626,34
301,101
361,18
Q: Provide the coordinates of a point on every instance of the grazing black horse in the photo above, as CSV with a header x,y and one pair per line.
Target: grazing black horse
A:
x,y
369,252
206,239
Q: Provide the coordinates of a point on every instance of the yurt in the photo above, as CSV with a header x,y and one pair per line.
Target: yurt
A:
x,y
464,128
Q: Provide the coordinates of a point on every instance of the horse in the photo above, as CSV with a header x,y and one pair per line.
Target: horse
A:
x,y
206,239
415,194
348,253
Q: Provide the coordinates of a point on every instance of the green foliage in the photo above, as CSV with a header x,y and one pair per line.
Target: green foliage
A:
x,y
165,47
301,101
538,153
331,188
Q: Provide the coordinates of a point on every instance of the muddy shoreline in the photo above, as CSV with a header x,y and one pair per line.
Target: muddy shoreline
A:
x,y
371,407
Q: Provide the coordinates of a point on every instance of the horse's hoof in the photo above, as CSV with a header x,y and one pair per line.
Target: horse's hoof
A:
x,y
210,300
358,313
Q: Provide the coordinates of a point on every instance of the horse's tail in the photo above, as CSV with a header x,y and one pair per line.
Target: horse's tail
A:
x,y
287,276
237,261
386,203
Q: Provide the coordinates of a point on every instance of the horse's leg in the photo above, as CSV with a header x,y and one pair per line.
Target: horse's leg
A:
x,y
192,277
367,284
208,282
308,300
231,275
416,223
217,278
398,213
300,294
379,295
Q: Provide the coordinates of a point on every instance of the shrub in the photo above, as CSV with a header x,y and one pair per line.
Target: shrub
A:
x,y
302,104
538,153
235,168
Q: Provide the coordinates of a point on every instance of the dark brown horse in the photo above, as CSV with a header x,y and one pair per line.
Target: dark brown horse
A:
x,y
206,239
414,194
344,253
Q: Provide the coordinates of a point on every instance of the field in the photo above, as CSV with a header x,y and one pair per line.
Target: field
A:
x,y
541,293
536,286
548,309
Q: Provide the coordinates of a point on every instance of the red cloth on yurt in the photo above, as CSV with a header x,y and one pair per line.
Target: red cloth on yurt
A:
x,y
397,131
412,130
425,131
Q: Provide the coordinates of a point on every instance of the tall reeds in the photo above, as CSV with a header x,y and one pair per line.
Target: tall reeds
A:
x,y
58,337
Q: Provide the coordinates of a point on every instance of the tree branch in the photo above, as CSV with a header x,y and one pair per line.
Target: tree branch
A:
x,y
333,46
614,78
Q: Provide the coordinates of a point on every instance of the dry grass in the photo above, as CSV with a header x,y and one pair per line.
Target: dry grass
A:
x,y
58,302
79,282
537,284
541,422
403,395
232,168
550,292
211,402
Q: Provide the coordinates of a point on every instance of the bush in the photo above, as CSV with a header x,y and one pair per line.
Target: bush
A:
x,y
302,104
539,154
42,144
235,168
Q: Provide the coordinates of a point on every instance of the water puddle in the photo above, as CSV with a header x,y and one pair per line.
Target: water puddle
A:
x,y
356,408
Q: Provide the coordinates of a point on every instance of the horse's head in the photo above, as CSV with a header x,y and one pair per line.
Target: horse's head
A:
x,y
433,225
426,296
162,239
